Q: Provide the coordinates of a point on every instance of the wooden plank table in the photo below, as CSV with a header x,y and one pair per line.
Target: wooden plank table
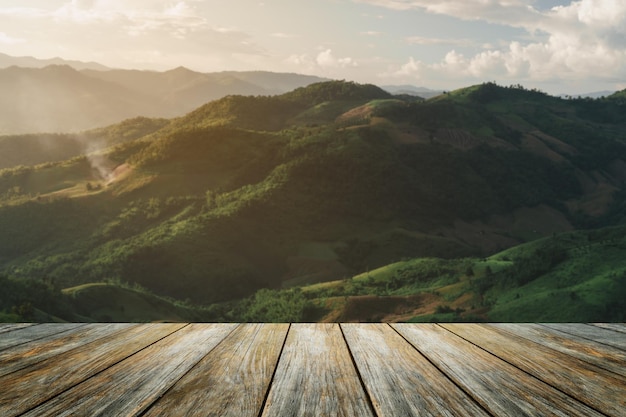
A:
x,y
179,369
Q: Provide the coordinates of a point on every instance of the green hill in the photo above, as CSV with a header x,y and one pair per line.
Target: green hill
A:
x,y
316,185
575,276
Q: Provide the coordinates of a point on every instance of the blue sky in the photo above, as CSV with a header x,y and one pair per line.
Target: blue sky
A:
x,y
558,46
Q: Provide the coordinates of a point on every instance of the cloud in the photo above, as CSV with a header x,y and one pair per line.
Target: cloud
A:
x,y
327,59
9,40
495,11
585,39
119,29
410,69
323,62
371,33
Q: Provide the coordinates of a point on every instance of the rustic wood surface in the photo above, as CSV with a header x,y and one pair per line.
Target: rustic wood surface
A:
x,y
618,327
316,377
400,380
604,356
498,386
30,333
593,386
605,336
11,327
232,380
243,370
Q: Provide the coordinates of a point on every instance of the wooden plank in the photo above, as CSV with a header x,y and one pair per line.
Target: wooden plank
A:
x,y
618,327
608,337
232,380
596,387
315,376
30,333
29,387
24,355
9,327
603,356
499,387
399,380
130,386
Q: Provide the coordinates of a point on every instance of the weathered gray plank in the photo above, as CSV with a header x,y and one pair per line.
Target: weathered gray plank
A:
x,y
315,376
596,387
601,355
29,387
608,337
30,333
499,387
399,380
232,380
130,386
9,327
618,327
27,354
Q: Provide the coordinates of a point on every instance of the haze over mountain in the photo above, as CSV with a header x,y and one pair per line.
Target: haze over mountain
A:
x,y
32,62
313,187
59,98
411,90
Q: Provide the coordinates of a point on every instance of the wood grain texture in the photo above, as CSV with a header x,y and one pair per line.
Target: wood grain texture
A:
x,y
232,380
603,356
608,337
130,386
309,369
9,327
27,354
499,387
29,387
399,380
315,376
618,327
30,333
596,387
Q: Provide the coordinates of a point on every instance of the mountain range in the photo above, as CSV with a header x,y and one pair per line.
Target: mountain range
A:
x,y
334,201
53,96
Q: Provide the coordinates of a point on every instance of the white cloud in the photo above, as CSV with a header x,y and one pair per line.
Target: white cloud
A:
x,y
499,11
412,68
585,39
9,40
119,29
327,59
371,33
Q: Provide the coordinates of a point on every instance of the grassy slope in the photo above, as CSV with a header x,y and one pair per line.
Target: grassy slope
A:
x,y
108,302
582,279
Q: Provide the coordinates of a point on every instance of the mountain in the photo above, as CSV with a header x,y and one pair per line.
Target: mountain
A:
x,y
411,90
244,195
59,98
39,148
7,61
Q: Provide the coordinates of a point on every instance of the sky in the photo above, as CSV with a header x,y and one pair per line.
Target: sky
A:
x,y
558,46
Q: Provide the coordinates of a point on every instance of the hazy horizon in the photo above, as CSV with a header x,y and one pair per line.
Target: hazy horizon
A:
x,y
558,46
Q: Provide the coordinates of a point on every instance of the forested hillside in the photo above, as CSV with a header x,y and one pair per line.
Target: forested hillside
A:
x,y
324,183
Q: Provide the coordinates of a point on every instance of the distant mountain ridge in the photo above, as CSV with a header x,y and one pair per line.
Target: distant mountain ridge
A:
x,y
412,90
32,62
51,96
